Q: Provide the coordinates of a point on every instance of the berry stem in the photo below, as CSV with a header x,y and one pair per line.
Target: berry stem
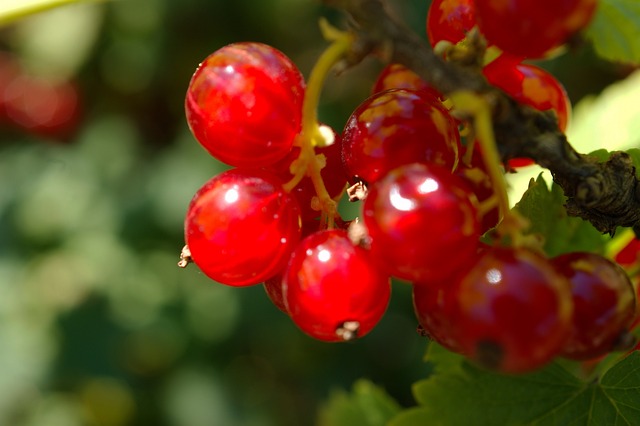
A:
x,y
22,11
311,134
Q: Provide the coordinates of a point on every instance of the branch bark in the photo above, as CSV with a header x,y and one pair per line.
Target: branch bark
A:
x,y
606,194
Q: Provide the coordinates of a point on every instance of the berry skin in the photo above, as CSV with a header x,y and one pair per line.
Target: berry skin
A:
x,y
397,76
333,289
422,222
604,304
244,104
530,85
450,20
273,287
433,311
531,28
511,311
398,127
241,227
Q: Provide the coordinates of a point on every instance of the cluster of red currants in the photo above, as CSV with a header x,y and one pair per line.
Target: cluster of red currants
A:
x,y
424,208
36,104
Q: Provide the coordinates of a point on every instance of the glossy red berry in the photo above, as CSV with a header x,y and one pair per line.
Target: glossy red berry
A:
x,y
397,76
530,85
273,287
241,227
398,127
450,20
531,28
604,304
333,289
432,306
422,221
511,311
244,104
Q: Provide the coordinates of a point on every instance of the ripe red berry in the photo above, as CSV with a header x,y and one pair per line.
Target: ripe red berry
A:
x,y
244,104
604,304
398,127
432,307
450,20
333,289
530,85
241,227
397,76
422,221
273,287
531,28
512,311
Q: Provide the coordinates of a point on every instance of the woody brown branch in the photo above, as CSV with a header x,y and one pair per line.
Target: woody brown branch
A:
x,y
605,193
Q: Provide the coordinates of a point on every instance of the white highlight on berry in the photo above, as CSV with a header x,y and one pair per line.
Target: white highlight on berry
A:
x,y
399,202
324,255
231,196
429,185
494,276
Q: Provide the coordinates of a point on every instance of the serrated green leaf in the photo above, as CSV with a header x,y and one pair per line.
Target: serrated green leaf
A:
x,y
462,394
544,207
614,30
366,405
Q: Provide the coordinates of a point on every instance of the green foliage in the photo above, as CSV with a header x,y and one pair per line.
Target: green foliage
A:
x,y
544,207
366,405
614,30
458,393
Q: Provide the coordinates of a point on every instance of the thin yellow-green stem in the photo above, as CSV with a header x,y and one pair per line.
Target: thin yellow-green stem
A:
x,y
22,9
308,164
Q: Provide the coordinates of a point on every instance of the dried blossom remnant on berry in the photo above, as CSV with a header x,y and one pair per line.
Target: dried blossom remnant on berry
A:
x,y
185,257
357,191
348,330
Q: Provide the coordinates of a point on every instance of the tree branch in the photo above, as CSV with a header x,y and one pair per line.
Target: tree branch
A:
x,y
606,194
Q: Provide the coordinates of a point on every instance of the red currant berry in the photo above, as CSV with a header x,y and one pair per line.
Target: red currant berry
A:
x,y
531,28
244,104
450,20
511,311
530,85
333,289
398,127
273,287
432,307
241,227
422,221
604,304
630,254
397,76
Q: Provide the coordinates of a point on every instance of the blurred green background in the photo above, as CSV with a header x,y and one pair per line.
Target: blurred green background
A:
x,y
98,326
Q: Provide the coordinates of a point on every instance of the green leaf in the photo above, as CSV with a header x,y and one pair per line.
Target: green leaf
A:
x,y
608,120
366,405
544,207
458,393
614,30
